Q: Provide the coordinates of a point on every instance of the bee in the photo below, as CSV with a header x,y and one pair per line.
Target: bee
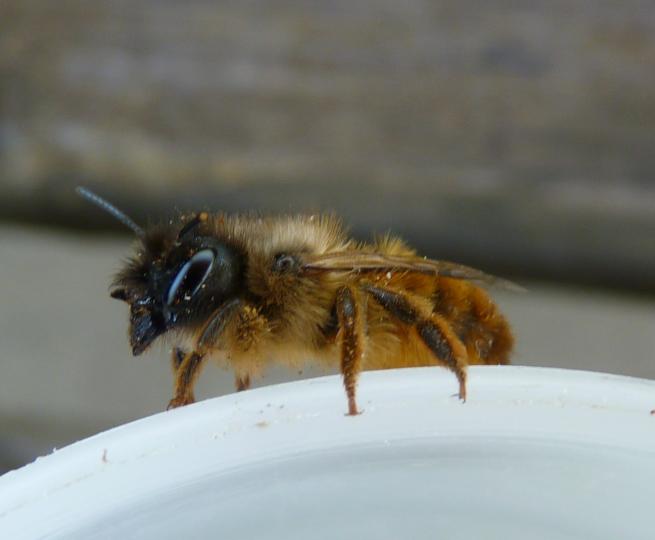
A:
x,y
249,290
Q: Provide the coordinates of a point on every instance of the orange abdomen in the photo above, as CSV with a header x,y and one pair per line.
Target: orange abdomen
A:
x,y
468,313
475,319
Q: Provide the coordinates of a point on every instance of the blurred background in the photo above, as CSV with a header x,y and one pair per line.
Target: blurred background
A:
x,y
517,137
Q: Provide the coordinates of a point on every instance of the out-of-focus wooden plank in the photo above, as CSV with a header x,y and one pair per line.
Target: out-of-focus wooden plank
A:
x,y
509,135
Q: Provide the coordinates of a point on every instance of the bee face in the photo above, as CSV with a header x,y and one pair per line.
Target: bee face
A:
x,y
172,285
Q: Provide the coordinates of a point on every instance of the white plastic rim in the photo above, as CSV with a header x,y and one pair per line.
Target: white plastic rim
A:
x,y
534,453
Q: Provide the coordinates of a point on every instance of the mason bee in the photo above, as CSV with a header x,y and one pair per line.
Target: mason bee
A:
x,y
249,290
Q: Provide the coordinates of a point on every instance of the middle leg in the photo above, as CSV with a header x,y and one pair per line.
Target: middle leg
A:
x,y
351,339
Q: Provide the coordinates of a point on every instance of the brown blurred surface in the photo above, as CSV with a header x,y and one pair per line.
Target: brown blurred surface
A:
x,y
518,136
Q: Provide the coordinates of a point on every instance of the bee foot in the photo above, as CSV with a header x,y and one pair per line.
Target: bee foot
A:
x,y
180,401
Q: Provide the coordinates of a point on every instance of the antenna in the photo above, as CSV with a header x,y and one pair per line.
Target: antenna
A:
x,y
192,224
109,208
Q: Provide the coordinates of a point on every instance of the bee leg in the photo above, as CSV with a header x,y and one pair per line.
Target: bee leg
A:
x,y
350,337
213,330
187,366
176,359
437,334
432,329
185,378
242,382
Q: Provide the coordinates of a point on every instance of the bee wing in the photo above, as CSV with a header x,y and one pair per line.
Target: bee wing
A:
x,y
376,262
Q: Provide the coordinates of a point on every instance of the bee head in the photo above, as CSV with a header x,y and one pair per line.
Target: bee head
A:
x,y
178,275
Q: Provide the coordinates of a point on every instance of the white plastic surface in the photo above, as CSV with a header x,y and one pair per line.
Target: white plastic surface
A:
x,y
534,454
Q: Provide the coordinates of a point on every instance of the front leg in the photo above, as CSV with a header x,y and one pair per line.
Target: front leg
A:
x,y
185,377
177,358
351,340
242,382
187,366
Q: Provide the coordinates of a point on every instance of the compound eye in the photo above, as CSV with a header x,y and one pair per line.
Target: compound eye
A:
x,y
191,277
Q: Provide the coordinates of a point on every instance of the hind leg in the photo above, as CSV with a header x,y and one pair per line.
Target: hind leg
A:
x,y
433,330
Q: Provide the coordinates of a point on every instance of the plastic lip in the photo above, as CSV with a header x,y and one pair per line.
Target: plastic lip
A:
x,y
541,407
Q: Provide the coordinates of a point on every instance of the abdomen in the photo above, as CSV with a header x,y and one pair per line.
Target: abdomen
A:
x,y
475,319
468,309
